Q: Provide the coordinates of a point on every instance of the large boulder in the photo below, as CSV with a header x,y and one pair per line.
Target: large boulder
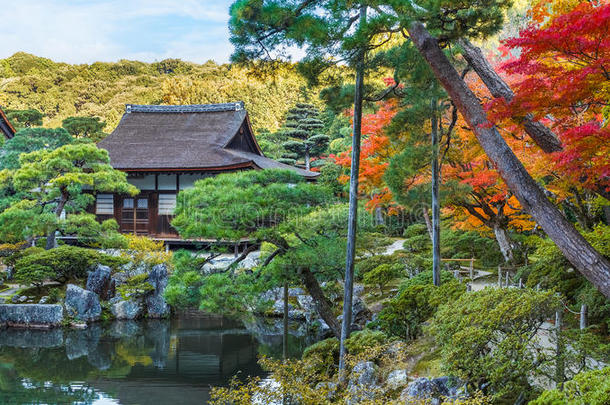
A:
x,y
433,390
363,382
156,307
100,281
82,304
31,315
126,310
396,379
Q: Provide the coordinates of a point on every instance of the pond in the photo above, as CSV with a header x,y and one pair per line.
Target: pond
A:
x,y
125,362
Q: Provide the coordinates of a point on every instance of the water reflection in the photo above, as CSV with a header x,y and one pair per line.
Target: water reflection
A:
x,y
146,362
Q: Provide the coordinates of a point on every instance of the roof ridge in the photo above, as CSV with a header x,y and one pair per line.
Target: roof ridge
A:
x,y
189,108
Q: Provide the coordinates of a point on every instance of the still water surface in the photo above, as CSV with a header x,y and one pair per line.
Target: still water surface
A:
x,y
145,362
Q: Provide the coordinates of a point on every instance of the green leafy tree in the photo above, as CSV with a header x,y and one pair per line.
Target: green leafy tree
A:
x,y
302,126
587,388
29,140
85,127
51,181
381,275
489,338
24,118
260,205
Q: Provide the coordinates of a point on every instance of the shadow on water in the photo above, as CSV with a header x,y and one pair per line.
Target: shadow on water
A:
x,y
127,362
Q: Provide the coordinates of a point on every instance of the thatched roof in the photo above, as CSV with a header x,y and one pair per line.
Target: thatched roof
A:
x,y
5,126
203,137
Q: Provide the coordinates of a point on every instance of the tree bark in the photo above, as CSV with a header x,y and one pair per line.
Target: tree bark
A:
x,y
58,210
572,244
323,304
504,242
436,210
353,206
543,136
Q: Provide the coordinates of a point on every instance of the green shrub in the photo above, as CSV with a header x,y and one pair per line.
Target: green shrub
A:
x,y
364,340
381,275
425,277
489,339
404,314
63,263
368,264
55,296
323,357
135,287
183,288
589,388
551,270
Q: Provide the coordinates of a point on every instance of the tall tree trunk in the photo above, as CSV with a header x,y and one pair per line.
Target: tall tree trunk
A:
x,y
378,216
543,136
323,304
436,210
504,242
353,205
572,244
58,210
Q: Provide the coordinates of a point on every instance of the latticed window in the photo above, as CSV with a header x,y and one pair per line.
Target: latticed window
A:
x,y
104,204
167,204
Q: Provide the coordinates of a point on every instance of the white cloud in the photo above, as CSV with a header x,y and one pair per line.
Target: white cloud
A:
x,y
81,31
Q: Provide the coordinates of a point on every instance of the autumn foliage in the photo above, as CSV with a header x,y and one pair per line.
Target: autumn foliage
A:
x,y
562,76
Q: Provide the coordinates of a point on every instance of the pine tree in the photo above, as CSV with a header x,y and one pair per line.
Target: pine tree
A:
x,y
301,128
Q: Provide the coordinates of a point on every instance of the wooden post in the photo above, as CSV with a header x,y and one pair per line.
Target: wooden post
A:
x,y
560,365
583,316
520,283
506,278
472,268
456,274
499,277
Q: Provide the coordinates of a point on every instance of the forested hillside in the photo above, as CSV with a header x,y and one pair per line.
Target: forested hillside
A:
x,y
61,90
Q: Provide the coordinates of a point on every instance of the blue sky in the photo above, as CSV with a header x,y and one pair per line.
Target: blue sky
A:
x,y
86,31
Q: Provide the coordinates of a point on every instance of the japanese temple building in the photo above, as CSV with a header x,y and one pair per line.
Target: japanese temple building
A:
x,y
5,126
165,149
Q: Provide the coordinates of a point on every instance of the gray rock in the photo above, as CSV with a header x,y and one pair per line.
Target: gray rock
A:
x,y
44,299
156,307
358,290
362,383
364,374
101,282
396,379
82,304
23,299
158,278
31,314
435,390
360,313
126,310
